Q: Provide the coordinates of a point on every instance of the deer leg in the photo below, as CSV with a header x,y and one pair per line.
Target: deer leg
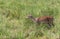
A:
x,y
38,23
49,24
52,23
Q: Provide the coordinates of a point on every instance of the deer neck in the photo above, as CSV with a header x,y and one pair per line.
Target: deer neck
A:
x,y
34,19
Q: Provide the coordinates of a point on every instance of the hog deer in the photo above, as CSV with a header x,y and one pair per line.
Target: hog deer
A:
x,y
45,19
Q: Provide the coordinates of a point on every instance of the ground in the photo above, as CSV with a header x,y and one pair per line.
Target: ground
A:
x,y
14,25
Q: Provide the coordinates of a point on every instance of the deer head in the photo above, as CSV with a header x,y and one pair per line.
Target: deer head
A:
x,y
31,17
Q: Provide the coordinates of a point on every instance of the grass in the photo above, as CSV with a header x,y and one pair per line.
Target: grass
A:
x,y
14,25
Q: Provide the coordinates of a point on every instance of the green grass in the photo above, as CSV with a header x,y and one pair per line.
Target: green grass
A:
x,y
14,25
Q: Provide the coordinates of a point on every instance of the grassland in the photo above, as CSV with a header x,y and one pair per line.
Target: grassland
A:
x,y
14,25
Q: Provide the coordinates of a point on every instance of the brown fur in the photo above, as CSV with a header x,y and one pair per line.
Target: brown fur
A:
x,y
46,19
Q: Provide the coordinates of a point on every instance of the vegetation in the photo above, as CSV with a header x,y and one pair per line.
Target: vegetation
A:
x,y
14,25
